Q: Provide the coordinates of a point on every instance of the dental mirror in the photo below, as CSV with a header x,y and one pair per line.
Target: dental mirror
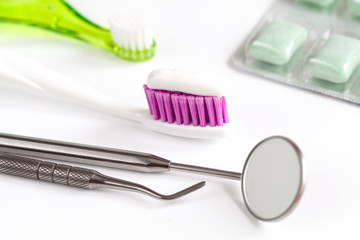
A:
x,y
273,178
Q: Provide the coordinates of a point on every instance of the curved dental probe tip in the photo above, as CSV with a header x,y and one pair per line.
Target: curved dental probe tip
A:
x,y
175,195
76,176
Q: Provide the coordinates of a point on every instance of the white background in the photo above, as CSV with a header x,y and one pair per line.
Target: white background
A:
x,y
201,35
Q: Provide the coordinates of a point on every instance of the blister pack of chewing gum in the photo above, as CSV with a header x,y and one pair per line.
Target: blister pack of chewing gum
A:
x,y
312,44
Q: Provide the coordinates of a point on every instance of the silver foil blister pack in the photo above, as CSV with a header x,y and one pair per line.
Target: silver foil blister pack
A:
x,y
312,44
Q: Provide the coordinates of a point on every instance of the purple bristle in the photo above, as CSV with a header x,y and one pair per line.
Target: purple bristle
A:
x,y
176,107
225,113
201,110
161,106
193,110
218,111
147,98
210,110
168,107
182,108
154,106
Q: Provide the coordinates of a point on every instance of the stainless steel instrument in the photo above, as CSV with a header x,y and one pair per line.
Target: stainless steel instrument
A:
x,y
99,156
76,177
272,180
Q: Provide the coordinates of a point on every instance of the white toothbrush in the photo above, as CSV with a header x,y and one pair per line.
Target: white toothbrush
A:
x,y
161,81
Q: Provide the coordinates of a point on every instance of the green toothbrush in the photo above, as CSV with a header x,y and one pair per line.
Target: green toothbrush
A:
x,y
129,38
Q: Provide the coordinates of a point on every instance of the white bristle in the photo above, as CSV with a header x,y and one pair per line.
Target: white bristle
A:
x,y
131,33
139,39
148,36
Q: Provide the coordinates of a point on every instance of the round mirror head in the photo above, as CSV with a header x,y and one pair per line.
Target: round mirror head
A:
x,y
273,178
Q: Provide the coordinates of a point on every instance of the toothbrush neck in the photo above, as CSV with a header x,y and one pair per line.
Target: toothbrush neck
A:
x,y
119,110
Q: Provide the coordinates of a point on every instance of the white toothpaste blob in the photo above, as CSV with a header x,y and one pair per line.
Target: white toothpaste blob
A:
x,y
187,81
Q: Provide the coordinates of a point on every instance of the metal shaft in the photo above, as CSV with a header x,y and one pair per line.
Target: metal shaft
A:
x,y
99,156
205,171
76,177
79,153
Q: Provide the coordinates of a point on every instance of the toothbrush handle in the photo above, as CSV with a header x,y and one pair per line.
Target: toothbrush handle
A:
x,y
47,171
30,73
58,16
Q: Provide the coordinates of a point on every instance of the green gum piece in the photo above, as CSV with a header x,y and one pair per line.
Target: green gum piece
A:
x,y
60,17
337,59
278,42
354,7
319,3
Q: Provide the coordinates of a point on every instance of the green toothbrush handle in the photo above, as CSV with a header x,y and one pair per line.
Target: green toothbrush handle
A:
x,y
58,16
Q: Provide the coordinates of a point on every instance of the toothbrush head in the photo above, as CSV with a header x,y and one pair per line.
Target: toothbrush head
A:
x,y
185,97
133,38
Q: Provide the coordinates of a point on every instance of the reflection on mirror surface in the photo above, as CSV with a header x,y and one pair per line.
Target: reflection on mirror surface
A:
x,y
273,178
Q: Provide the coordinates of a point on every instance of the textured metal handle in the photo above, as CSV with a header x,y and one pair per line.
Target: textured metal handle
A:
x,y
75,176
47,171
